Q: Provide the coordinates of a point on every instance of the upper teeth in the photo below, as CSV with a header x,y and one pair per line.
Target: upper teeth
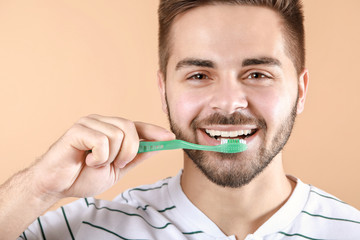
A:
x,y
214,133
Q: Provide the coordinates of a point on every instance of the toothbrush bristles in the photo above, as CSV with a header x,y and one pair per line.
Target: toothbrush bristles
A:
x,y
224,141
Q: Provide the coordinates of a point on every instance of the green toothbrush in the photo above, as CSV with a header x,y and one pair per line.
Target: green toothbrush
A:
x,y
226,146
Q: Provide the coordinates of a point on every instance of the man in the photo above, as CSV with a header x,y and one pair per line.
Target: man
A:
x,y
228,69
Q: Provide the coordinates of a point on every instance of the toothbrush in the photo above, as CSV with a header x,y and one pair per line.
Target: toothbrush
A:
x,y
226,146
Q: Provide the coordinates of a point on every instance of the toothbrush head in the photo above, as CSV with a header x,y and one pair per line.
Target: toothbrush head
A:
x,y
232,145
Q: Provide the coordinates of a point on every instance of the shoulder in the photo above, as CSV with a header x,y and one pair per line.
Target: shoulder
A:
x,y
325,216
322,205
325,202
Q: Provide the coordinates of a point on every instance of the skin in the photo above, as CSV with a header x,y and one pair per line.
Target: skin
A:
x,y
228,36
68,170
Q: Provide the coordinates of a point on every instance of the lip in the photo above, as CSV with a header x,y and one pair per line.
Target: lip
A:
x,y
206,140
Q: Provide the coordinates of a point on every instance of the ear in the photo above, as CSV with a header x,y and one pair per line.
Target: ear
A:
x,y
303,87
162,90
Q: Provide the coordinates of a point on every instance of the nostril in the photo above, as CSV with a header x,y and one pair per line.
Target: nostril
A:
x,y
228,97
230,107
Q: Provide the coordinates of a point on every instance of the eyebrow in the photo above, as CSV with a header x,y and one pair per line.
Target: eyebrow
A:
x,y
261,61
189,62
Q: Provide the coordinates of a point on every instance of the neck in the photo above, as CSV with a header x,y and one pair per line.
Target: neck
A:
x,y
238,211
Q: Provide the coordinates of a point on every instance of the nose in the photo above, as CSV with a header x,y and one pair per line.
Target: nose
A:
x,y
228,97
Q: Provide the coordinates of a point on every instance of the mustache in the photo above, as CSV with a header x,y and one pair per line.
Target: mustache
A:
x,y
236,118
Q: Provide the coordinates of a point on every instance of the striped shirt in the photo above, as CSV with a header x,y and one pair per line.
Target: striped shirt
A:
x,y
162,211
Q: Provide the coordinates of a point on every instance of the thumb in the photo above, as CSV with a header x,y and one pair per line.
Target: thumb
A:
x,y
152,132
148,132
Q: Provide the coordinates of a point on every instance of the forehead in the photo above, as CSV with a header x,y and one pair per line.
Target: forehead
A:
x,y
226,33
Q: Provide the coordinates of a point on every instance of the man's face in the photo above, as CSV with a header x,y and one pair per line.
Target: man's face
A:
x,y
229,76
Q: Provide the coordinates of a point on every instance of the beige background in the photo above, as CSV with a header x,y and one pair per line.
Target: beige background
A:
x,y
60,60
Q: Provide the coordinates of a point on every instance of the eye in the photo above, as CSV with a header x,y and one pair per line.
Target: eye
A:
x,y
257,75
198,76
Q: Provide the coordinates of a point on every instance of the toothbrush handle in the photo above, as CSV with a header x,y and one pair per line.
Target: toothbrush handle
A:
x,y
170,145
194,146
159,145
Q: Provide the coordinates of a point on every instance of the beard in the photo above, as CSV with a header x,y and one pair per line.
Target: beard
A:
x,y
235,170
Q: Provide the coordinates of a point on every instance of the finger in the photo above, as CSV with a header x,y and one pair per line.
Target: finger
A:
x,y
148,131
83,138
130,143
114,134
137,160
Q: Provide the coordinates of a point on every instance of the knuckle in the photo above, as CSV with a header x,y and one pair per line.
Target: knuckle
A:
x,y
125,122
101,139
92,115
132,128
118,121
118,134
82,120
73,130
127,127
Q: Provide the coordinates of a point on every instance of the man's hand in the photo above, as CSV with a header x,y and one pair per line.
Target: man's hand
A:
x,y
88,159
93,155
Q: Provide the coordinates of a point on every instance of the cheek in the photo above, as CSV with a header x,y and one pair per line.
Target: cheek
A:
x,y
185,105
266,105
271,105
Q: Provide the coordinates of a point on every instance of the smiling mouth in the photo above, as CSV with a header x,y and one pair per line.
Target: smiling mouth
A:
x,y
240,134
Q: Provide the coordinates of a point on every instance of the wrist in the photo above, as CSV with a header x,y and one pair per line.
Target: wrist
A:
x,y
21,203
38,188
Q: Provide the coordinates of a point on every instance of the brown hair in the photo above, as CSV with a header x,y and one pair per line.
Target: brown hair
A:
x,y
290,11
